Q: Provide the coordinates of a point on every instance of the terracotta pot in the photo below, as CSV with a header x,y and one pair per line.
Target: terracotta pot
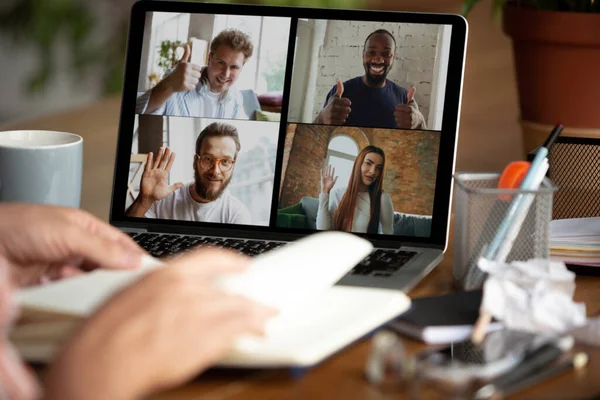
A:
x,y
557,60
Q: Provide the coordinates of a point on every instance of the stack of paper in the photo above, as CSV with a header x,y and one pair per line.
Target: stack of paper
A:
x,y
576,241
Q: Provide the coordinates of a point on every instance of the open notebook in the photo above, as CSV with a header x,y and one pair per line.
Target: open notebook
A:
x,y
316,318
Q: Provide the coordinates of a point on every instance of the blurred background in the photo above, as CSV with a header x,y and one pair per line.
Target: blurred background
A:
x,y
61,55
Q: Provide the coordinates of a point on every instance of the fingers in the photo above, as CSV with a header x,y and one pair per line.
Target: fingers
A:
x,y
17,381
328,171
99,250
176,186
340,109
411,94
340,89
170,163
211,262
403,108
95,226
149,162
186,54
159,155
164,159
403,116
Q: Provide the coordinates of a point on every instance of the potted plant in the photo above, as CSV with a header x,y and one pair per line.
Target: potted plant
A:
x,y
556,46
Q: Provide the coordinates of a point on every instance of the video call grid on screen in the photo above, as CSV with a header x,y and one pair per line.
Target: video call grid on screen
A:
x,y
255,99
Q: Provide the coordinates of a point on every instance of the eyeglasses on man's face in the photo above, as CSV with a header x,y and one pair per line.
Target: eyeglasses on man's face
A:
x,y
207,162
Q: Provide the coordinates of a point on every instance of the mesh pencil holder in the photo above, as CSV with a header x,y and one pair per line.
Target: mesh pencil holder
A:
x,y
480,208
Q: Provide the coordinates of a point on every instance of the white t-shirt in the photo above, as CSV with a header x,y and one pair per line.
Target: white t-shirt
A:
x,y
210,103
181,206
328,206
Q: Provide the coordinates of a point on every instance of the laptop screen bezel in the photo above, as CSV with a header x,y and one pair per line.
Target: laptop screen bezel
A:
x,y
448,135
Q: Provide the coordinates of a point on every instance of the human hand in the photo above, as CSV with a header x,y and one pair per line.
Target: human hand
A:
x,y
42,243
158,333
327,179
337,109
406,115
15,381
186,75
154,185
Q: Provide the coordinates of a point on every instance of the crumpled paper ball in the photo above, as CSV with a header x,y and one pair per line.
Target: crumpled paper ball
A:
x,y
534,295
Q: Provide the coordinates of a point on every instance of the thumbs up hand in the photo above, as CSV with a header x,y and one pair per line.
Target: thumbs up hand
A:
x,y
337,109
410,96
186,75
407,115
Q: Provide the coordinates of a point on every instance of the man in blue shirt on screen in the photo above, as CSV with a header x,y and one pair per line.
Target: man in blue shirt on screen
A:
x,y
373,100
190,90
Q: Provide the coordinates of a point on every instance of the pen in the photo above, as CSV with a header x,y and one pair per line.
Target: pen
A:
x,y
577,361
510,226
531,182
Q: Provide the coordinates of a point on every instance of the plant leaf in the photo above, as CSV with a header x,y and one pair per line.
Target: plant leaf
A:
x,y
467,6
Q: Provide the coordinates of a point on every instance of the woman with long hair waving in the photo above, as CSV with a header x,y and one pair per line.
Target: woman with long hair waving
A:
x,y
362,206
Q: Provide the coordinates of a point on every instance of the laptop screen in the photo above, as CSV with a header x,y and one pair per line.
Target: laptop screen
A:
x,y
288,124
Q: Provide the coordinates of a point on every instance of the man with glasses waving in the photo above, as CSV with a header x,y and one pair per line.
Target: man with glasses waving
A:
x,y
205,199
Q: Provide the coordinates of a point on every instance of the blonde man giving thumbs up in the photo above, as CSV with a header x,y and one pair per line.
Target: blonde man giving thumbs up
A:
x,y
192,91
372,100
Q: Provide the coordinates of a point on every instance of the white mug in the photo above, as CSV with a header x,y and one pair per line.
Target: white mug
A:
x,y
43,167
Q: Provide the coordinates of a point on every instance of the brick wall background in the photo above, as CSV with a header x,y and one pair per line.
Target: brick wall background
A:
x,y
411,163
341,57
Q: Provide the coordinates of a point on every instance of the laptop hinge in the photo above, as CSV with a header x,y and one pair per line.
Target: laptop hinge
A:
x,y
134,230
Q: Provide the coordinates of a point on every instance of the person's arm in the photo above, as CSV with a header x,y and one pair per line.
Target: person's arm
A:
x,y
326,207
141,104
158,96
184,77
386,214
140,206
323,215
154,184
193,325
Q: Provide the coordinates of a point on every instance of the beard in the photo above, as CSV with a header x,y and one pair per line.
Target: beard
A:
x,y
376,80
204,192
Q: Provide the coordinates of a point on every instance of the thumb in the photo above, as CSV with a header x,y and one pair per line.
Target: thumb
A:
x,y
411,94
176,186
186,54
340,89
101,251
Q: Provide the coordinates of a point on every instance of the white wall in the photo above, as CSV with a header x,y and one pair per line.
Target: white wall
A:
x,y
440,74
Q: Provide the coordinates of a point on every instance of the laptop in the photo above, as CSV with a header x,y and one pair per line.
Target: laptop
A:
x,y
248,127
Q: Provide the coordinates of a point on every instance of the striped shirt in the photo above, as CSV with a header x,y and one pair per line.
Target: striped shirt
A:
x,y
192,103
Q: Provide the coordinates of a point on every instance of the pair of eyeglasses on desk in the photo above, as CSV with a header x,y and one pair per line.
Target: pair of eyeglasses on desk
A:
x,y
506,363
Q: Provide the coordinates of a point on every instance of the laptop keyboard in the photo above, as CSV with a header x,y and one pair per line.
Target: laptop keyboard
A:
x,y
380,263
